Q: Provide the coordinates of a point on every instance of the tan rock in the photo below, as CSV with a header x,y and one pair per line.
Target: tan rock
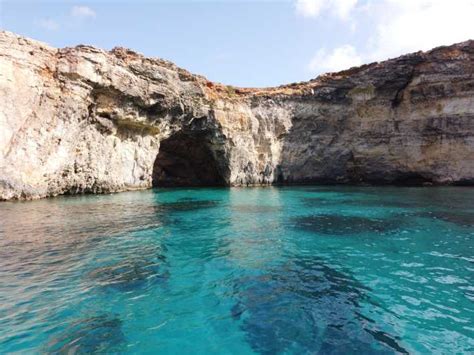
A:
x,y
80,120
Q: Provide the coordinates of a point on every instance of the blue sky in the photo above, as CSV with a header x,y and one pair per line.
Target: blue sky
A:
x,y
248,43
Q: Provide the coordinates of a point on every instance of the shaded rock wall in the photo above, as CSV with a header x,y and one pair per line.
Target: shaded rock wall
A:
x,y
79,120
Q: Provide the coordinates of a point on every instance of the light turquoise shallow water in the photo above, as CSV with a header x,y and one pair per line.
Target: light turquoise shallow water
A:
x,y
235,271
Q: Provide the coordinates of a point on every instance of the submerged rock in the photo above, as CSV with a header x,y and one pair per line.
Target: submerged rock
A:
x,y
98,334
84,120
462,219
129,275
336,224
306,307
185,205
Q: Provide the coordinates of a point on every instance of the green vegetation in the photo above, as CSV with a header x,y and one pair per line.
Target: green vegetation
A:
x,y
230,90
368,90
136,127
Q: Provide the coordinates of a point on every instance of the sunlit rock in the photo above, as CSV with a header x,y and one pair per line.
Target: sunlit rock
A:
x,y
84,120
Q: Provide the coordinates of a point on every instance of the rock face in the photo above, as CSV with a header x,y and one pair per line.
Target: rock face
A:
x,y
84,120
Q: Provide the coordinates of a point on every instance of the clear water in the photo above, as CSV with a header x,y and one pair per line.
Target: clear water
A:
x,y
236,271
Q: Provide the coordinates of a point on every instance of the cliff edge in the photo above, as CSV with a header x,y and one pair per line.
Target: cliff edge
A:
x,y
84,120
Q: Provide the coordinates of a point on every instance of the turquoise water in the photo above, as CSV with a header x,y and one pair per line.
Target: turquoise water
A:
x,y
238,271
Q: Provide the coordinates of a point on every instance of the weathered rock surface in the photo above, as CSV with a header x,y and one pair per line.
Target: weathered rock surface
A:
x,y
79,120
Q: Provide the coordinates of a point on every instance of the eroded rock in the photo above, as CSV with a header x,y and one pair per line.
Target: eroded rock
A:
x,y
84,120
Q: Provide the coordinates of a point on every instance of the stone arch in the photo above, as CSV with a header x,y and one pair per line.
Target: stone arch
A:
x,y
187,159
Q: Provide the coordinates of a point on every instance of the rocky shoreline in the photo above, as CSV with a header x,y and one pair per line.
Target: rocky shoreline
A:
x,y
84,120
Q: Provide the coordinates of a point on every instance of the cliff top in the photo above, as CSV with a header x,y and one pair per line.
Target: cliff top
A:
x,y
216,89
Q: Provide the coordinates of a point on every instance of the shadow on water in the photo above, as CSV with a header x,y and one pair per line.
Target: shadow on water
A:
x,y
306,306
333,224
99,334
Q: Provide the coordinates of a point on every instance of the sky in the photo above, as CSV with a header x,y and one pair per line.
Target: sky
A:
x,y
248,43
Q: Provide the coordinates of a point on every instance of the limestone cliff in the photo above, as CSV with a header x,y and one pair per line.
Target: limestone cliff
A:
x,y
79,120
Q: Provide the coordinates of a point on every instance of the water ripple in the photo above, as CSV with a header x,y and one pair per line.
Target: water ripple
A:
x,y
271,270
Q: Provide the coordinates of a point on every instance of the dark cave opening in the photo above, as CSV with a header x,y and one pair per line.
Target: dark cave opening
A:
x,y
186,160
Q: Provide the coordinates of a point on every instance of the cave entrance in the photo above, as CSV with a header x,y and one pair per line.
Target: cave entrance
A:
x,y
185,160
